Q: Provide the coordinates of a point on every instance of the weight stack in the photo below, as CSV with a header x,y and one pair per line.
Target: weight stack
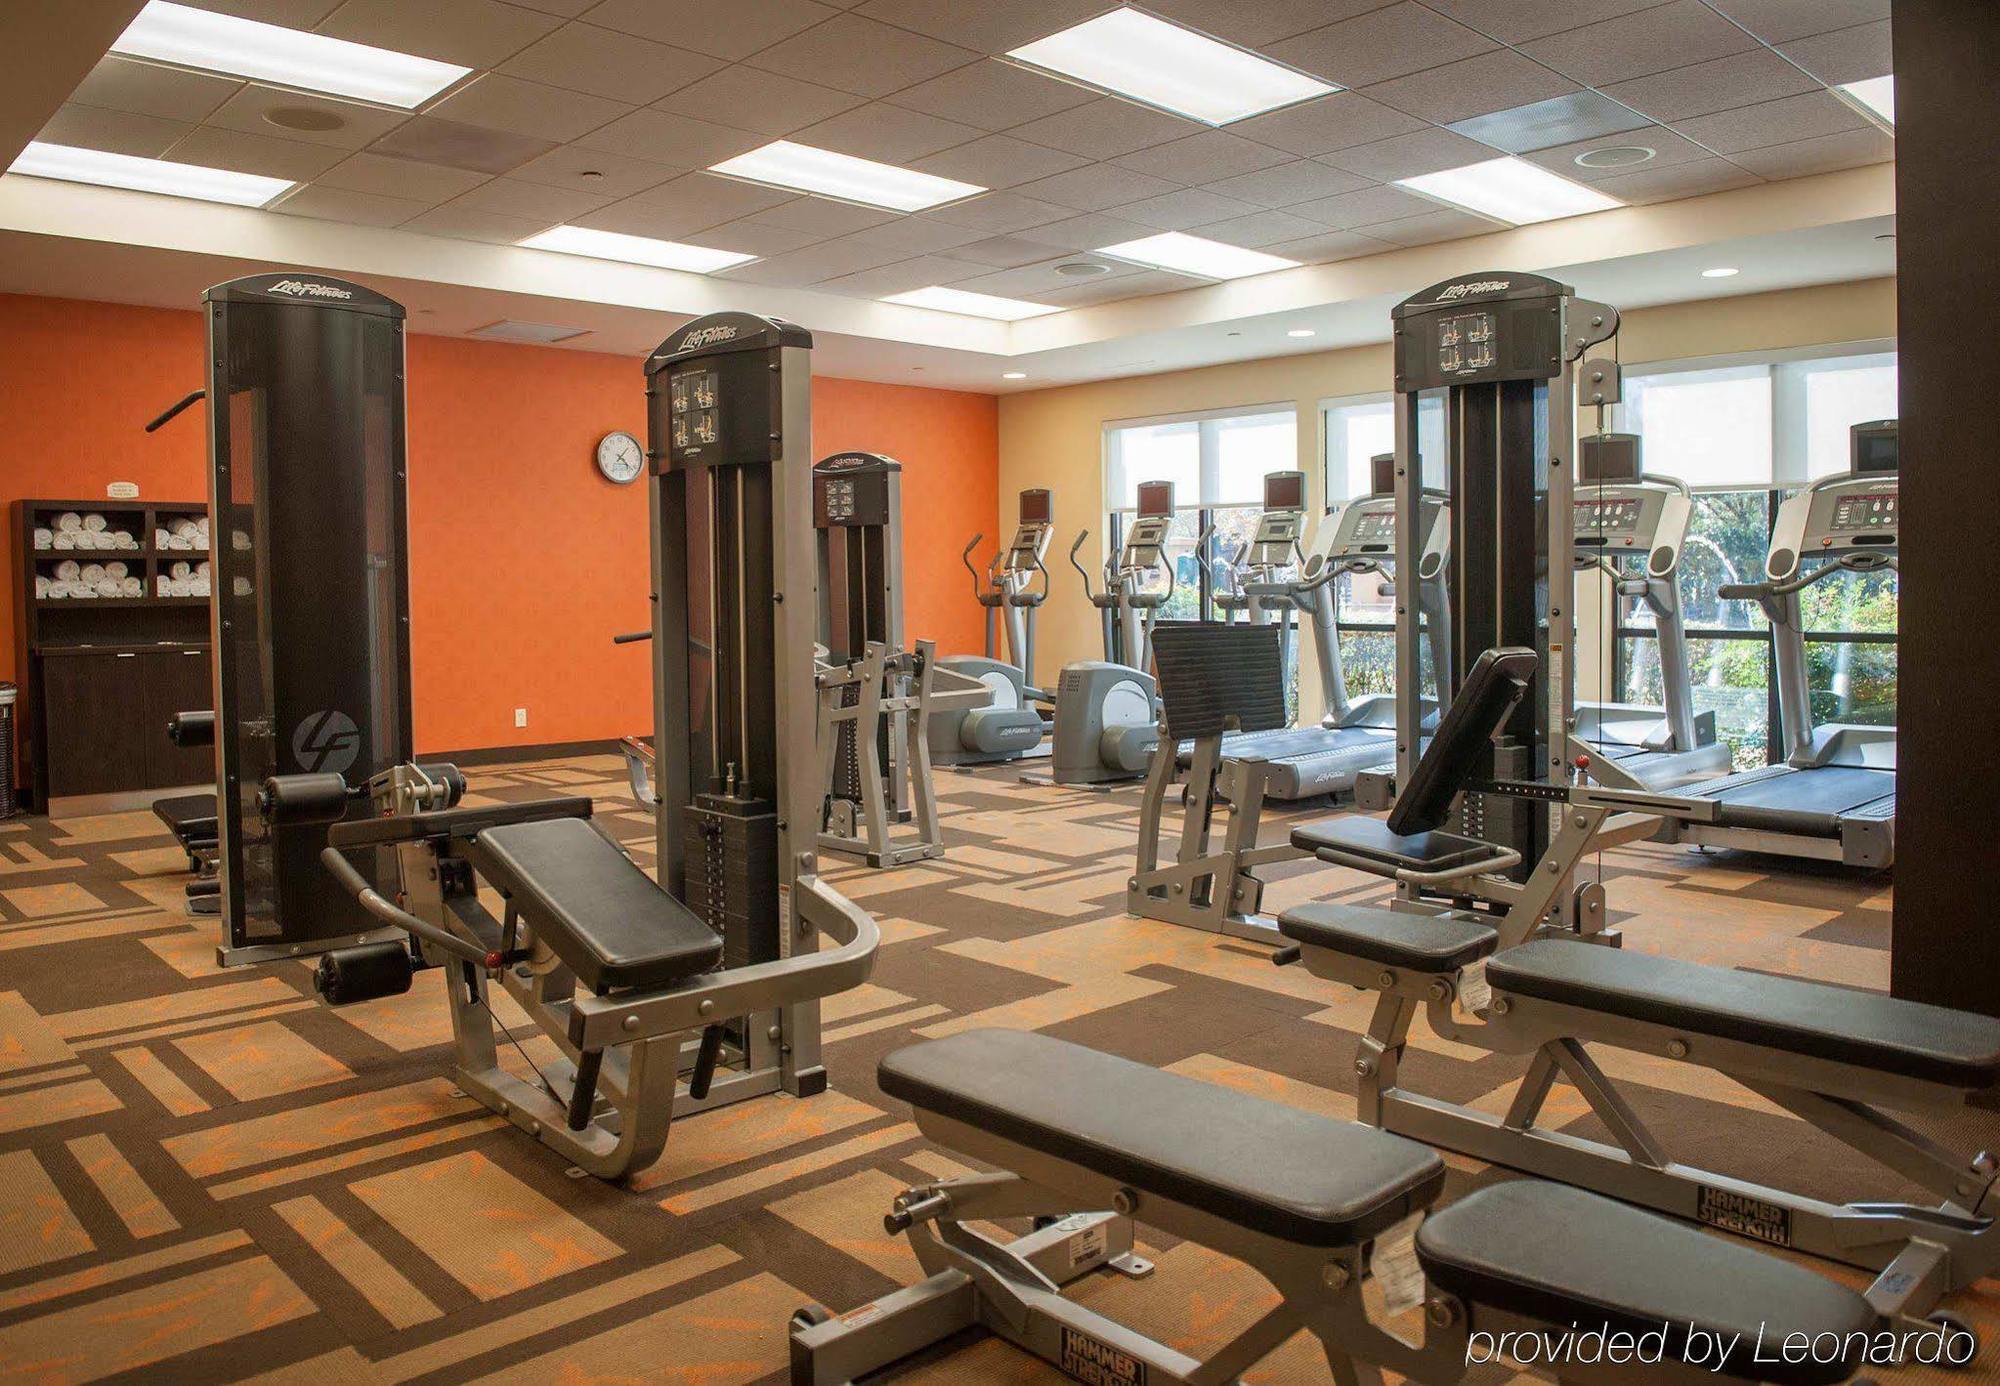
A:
x,y
732,874
9,805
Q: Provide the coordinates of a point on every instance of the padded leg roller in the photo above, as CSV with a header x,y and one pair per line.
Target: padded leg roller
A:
x,y
363,973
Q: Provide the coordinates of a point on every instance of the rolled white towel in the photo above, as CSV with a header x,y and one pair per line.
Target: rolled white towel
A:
x,y
82,589
160,583
177,587
58,590
183,525
68,570
64,539
69,520
239,541
94,522
201,568
241,586
130,586
93,573
45,538
181,571
198,587
110,587
122,539
160,538
115,569
42,585
82,539
180,543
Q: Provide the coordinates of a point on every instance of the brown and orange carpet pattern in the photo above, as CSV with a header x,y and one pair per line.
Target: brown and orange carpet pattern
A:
x,y
207,1176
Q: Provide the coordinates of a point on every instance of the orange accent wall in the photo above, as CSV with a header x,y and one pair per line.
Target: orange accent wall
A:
x,y
523,561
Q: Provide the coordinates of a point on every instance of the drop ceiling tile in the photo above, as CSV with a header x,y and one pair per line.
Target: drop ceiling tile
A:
x,y
1560,120
474,147
472,224
1690,179
999,161
293,14
1328,246
1203,158
821,216
528,108
1848,149
1084,293
1349,210
1777,21
1094,187
677,140
780,271
733,33
914,236
1181,209
1647,41
992,95
1339,121
888,134
114,132
1444,224
120,84
1785,121
1515,21
566,9
1668,149
862,56
232,149
759,100
1257,230
998,213
404,180
1255,23
751,238
1032,281
1381,44
1474,86
472,33
1845,55
1106,128
989,27
340,204
594,171
604,62
1301,180
814,263
1406,156
1005,252
266,111
1741,79
695,202
535,201
1092,231
902,276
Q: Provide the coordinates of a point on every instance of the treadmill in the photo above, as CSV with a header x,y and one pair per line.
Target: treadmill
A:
x,y
1354,734
1834,796
1632,527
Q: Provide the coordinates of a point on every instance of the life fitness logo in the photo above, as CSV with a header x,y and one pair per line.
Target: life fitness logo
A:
x,y
1474,286
300,288
708,336
326,743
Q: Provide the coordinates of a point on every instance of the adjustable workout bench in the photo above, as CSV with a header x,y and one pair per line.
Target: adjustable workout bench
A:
x,y
1313,1205
619,974
191,817
1828,1055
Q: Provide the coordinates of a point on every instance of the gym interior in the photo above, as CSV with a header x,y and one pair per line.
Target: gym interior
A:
x,y
950,691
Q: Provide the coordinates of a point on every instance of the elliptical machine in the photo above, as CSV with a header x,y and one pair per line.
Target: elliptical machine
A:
x,y
1108,710
1011,726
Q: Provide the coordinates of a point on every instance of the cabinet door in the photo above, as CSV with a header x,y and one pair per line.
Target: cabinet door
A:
x,y
95,709
176,681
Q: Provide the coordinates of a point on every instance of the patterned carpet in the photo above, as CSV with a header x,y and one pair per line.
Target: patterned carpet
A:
x,y
206,1175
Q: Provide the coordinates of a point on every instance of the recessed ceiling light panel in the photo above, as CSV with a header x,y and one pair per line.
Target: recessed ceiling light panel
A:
x,y
1877,95
802,168
974,305
73,165
211,42
1510,190
635,250
1196,255
1133,54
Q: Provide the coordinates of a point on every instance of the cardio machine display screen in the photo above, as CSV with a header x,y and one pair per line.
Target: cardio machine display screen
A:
x,y
1036,508
1465,343
1156,498
1285,491
1378,527
1868,510
1607,516
697,422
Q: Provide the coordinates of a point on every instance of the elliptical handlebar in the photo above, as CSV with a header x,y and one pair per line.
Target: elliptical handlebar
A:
x,y
1080,572
965,557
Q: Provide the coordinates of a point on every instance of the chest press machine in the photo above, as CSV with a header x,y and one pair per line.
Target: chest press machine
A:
x,y
713,973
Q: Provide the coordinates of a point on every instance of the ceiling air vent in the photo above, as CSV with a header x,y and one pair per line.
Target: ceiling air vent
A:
x,y
508,330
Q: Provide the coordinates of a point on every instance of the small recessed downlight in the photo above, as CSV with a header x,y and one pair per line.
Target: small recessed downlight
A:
x,y
1301,332
1615,156
1721,272
313,119
1081,269
1013,375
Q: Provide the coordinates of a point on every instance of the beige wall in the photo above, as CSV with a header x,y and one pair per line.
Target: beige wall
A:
x,y
1055,438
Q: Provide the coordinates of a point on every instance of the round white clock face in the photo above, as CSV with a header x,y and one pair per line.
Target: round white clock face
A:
x,y
620,457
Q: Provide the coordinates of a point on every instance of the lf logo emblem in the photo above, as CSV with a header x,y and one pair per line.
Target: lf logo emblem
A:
x,y
326,743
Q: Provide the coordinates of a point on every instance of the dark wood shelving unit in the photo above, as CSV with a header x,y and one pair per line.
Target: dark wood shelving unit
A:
x,y
101,676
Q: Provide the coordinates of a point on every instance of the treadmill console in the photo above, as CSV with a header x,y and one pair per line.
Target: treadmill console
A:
x,y
1282,521
1145,541
1031,533
1853,513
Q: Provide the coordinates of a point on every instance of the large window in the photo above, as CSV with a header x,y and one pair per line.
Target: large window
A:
x,y
1745,435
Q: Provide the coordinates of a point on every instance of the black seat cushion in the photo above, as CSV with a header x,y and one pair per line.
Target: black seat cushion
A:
x,y
1428,943
600,914
1620,1269
1360,836
189,817
1274,1169
1905,1038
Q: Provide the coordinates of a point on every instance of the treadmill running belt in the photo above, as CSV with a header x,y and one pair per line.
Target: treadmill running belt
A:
x,y
1804,801
1280,745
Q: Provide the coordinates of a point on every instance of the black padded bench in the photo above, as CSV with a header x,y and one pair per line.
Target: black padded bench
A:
x,y
1372,840
191,819
1883,1033
1274,1169
1426,943
600,914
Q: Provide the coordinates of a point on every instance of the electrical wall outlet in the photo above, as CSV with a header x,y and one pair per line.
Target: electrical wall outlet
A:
x,y
520,717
